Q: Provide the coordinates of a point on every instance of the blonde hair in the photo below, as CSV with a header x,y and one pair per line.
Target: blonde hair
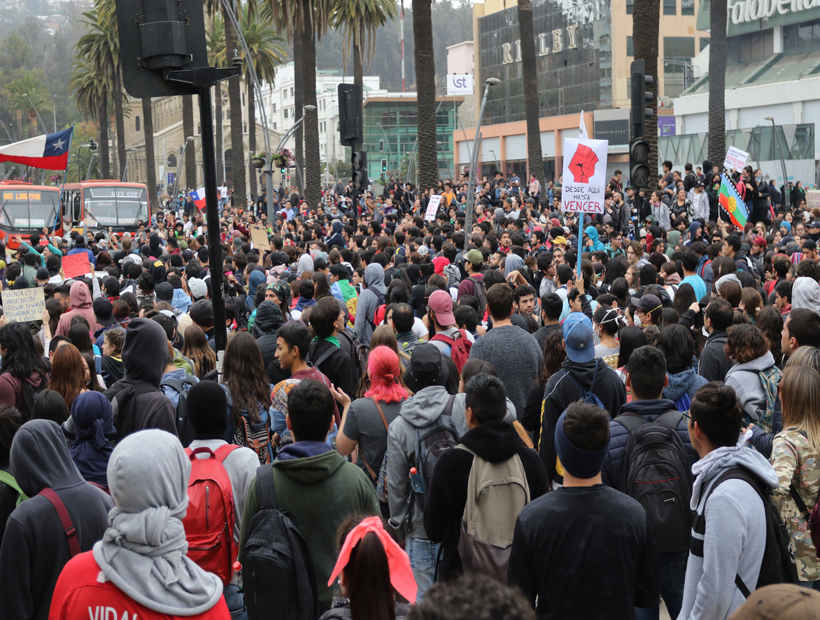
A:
x,y
800,401
804,356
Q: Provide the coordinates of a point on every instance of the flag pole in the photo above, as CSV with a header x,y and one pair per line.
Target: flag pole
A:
x,y
62,187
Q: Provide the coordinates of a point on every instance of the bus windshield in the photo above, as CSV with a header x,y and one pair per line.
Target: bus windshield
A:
x,y
116,206
25,209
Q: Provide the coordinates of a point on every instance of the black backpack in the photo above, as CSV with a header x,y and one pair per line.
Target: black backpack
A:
x,y
277,569
123,396
778,564
480,296
184,428
658,474
432,441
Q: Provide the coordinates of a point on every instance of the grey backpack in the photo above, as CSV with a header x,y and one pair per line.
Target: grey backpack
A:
x,y
496,494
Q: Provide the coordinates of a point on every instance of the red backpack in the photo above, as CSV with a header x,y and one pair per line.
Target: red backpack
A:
x,y
459,347
209,522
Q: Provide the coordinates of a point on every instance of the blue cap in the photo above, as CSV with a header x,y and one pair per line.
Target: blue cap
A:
x,y
578,336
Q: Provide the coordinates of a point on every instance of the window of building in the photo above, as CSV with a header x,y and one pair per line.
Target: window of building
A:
x,y
286,112
704,41
137,123
629,6
274,108
670,7
678,47
687,7
274,124
243,98
172,161
291,91
630,50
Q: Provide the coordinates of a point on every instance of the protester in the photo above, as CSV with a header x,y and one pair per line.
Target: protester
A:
x,y
23,373
69,374
754,376
93,426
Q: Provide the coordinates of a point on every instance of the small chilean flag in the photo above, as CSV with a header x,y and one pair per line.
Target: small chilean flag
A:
x,y
49,152
198,197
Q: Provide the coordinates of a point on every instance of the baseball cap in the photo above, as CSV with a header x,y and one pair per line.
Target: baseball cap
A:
x,y
441,303
104,311
164,292
426,368
559,241
475,257
761,242
814,224
198,288
578,335
781,601
423,250
647,303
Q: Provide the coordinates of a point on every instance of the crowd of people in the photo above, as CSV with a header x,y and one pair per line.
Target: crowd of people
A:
x,y
415,420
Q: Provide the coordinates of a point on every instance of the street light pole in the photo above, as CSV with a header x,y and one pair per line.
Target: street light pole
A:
x,y
786,193
269,171
468,223
131,149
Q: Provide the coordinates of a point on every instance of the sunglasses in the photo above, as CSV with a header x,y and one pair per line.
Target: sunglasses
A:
x,y
686,415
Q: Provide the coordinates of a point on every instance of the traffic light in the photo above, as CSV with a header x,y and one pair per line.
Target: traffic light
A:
x,y
639,151
350,114
359,161
384,165
381,146
92,145
284,170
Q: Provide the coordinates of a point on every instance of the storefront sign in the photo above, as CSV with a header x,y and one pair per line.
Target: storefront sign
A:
x,y
545,43
459,84
744,11
615,132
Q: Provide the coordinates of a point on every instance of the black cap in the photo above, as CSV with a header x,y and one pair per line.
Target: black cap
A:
x,y
164,292
104,311
426,368
202,313
42,274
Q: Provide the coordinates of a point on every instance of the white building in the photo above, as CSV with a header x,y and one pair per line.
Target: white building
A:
x,y
282,114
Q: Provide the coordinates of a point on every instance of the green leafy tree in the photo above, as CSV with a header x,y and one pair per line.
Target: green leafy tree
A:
x,y
26,94
91,98
360,20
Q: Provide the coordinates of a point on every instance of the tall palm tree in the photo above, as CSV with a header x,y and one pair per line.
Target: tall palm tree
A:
x,y
240,190
360,20
215,37
150,161
305,20
188,130
91,94
535,160
717,83
27,93
646,21
266,54
426,92
101,45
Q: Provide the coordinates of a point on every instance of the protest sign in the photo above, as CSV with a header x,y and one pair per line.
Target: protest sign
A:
x,y
24,305
259,236
432,207
735,158
76,265
813,198
584,175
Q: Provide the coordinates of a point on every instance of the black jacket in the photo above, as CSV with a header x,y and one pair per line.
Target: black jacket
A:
x,y
417,295
714,364
618,436
562,390
35,548
495,442
338,367
268,321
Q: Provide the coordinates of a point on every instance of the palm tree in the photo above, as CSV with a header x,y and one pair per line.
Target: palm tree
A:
x,y
240,190
646,21
426,92
101,45
27,93
215,37
717,83
360,20
150,162
535,160
266,54
303,21
188,130
91,98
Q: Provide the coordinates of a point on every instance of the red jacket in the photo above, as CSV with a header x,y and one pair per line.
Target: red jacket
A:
x,y
79,594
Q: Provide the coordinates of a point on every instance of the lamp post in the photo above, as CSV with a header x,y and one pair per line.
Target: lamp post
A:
x,y
468,223
782,162
269,171
93,147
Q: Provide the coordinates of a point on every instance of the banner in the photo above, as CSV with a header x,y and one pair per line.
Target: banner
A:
x,y
735,159
459,84
432,207
76,265
584,175
24,305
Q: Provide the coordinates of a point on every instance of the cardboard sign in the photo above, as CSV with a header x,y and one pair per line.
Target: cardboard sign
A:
x,y
735,158
24,305
813,198
259,236
432,207
76,265
584,175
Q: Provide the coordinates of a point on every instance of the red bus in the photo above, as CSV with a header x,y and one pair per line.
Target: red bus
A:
x,y
105,204
26,208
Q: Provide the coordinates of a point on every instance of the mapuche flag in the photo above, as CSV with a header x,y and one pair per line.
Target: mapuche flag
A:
x,y
49,152
732,203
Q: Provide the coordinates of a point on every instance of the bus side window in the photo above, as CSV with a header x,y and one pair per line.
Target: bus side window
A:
x,y
76,207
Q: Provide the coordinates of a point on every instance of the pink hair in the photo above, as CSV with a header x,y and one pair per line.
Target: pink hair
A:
x,y
384,369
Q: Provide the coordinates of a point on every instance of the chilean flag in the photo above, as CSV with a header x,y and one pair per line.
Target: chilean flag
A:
x,y
198,197
49,152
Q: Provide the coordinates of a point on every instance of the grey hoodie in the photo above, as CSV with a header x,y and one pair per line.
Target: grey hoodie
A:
x,y
513,262
806,294
745,381
729,277
734,542
369,302
421,410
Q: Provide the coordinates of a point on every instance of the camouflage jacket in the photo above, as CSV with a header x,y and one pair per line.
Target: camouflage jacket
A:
x,y
796,462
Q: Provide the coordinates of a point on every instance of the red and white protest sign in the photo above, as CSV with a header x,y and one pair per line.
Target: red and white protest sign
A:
x,y
76,265
584,175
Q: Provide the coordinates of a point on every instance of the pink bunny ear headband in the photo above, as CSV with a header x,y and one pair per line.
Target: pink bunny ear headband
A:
x,y
401,575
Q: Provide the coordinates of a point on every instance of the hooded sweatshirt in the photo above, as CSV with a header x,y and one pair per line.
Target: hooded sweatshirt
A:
x,y
93,424
305,264
513,262
320,489
34,548
369,301
735,535
806,294
81,303
694,227
745,380
592,233
684,382
181,301
145,344
268,321
419,411
336,238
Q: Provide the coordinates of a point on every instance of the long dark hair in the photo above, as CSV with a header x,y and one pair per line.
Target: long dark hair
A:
x,y
554,355
10,422
20,359
631,338
367,575
243,371
80,338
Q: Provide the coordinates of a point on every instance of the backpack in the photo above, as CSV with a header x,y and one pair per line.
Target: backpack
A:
x,y
123,397
703,268
812,517
209,521
658,474
769,378
432,441
778,564
496,494
360,351
459,347
277,569
480,295
9,480
184,428
587,396
65,519
256,440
